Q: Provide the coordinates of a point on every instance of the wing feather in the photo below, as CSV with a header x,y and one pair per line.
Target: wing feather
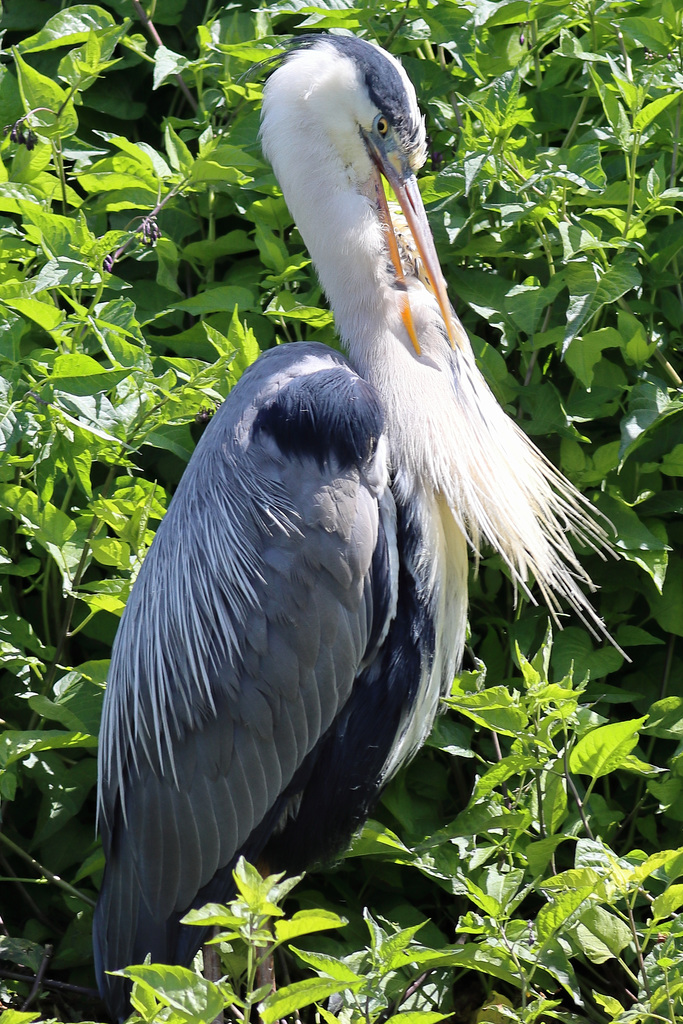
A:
x,y
241,640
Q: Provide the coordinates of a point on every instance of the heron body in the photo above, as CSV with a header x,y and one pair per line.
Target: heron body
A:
x,y
303,605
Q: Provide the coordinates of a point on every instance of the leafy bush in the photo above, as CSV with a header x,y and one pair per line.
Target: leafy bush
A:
x,y
525,865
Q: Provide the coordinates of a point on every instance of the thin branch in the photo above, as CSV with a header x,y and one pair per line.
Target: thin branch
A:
x,y
38,980
397,27
58,986
13,877
639,953
571,132
71,601
156,38
674,151
45,872
624,53
666,365
575,794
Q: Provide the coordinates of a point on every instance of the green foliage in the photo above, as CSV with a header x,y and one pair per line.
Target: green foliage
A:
x,y
526,865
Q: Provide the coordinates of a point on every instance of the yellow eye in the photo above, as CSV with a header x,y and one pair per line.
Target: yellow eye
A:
x,y
382,125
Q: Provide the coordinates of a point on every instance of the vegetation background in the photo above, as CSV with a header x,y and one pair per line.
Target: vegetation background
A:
x,y
526,865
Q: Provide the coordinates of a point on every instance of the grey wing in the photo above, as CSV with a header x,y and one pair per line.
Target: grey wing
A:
x,y
242,638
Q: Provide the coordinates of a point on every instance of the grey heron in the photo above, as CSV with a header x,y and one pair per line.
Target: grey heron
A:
x,y
303,606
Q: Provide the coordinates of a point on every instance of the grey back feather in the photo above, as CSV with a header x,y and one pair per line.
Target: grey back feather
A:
x,y
240,642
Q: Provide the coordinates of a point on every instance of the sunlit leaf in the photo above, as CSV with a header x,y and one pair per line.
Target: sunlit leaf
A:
x,y
603,750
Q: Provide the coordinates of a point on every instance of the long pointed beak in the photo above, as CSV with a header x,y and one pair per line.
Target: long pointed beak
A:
x,y
408,195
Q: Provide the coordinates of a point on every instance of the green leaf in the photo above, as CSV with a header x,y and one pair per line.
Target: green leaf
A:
x,y
667,607
417,1017
614,111
331,966
301,993
15,745
286,306
49,525
51,111
181,989
573,647
67,28
45,314
17,1017
649,405
603,750
600,934
22,952
591,287
672,462
554,917
305,922
667,903
110,551
488,959
81,692
612,1006
77,374
647,114
635,540
222,298
495,709
583,354
167,63
179,155
666,718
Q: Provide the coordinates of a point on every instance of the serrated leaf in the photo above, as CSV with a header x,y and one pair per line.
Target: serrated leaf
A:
x,y
591,287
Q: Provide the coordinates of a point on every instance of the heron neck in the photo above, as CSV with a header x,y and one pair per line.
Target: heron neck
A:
x,y
338,221
348,250
346,243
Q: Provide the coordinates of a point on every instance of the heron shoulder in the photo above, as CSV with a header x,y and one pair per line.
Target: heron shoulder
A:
x,y
330,413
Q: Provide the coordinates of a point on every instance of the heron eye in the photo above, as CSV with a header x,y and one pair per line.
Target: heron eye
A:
x,y
382,125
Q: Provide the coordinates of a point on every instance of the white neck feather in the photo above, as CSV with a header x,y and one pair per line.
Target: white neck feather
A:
x,y
445,429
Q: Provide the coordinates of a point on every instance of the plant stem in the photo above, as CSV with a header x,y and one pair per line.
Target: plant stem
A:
x,y
397,27
631,169
38,980
71,602
639,952
59,164
151,29
575,792
534,43
575,123
45,872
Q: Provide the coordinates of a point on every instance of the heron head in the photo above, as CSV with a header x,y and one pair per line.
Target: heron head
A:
x,y
358,109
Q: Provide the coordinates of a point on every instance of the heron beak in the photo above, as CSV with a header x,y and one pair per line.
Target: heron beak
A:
x,y
392,245
405,187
